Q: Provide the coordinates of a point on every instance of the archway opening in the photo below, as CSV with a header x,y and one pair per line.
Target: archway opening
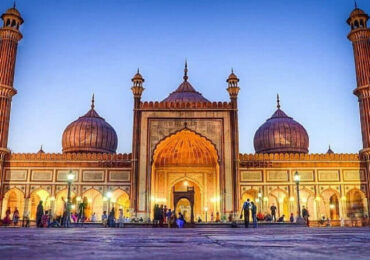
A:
x,y
121,201
355,204
37,196
13,199
94,204
61,202
334,207
186,159
184,206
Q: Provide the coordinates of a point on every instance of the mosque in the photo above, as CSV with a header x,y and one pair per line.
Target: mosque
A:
x,y
185,153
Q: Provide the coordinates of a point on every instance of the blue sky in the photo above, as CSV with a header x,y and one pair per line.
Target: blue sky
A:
x,y
72,49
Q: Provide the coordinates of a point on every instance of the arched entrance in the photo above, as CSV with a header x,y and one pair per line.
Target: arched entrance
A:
x,y
186,159
184,203
356,203
14,198
121,200
37,196
334,207
94,204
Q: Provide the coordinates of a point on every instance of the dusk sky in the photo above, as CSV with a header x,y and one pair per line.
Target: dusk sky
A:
x,y
72,49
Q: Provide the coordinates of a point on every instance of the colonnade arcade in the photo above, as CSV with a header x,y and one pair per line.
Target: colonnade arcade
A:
x,y
94,200
185,160
329,203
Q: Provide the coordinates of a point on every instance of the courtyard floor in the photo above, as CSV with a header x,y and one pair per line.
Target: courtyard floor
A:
x,y
199,243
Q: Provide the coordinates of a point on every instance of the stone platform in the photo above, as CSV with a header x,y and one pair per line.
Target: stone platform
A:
x,y
191,243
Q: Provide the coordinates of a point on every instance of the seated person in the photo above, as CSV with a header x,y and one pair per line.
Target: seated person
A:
x,y
281,219
268,217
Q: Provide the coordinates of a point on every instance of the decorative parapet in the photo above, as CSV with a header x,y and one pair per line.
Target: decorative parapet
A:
x,y
68,157
299,157
185,105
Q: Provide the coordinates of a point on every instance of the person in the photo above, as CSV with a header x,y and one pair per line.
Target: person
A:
x,y
93,217
54,223
120,218
164,216
7,220
254,214
273,212
218,217
104,218
74,217
245,210
15,216
281,219
111,222
44,219
169,216
199,220
39,214
160,215
268,217
156,216
26,219
291,218
212,217
180,221
260,216
305,215
81,208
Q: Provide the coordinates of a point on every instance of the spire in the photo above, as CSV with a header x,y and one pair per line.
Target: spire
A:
x,y
278,101
186,71
14,5
93,102
356,4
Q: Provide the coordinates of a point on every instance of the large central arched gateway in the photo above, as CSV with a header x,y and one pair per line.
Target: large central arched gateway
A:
x,y
185,143
186,160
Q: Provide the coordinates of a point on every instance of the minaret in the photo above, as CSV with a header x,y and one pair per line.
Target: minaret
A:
x,y
360,38
137,90
9,38
233,89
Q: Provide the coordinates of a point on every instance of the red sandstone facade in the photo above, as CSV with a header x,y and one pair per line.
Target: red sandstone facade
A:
x,y
186,140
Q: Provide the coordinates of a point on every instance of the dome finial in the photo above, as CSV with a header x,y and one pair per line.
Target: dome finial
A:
x,y
186,71
93,101
278,101
14,5
356,4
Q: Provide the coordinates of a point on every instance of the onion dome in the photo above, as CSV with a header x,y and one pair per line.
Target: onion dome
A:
x,y
281,134
185,92
89,134
330,151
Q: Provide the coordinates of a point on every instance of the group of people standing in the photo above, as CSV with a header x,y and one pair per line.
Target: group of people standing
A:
x,y
249,207
111,221
163,216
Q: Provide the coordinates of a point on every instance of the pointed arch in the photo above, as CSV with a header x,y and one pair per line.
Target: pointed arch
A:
x,y
13,198
94,200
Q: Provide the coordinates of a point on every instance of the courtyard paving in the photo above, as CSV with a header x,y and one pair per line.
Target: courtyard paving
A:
x,y
198,243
